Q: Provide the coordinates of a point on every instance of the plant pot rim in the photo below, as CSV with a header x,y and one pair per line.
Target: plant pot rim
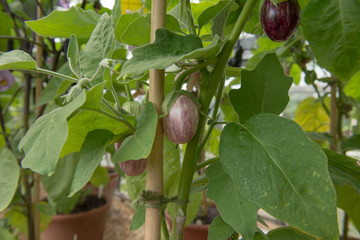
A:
x,y
81,215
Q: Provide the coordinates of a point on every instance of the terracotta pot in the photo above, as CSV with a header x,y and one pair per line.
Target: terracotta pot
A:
x,y
196,232
88,225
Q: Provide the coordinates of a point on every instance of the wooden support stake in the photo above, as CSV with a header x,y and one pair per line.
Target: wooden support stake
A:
x,y
154,178
38,90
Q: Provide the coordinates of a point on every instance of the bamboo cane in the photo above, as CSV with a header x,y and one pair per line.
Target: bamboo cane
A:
x,y
154,178
38,90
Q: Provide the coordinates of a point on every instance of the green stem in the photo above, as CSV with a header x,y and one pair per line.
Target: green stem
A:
x,y
206,94
48,72
124,121
207,162
181,79
8,104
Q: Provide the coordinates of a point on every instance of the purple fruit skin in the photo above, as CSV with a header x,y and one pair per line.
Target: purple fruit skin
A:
x,y
183,119
281,21
132,167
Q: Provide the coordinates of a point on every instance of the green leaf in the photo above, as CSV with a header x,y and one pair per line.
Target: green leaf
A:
x,y
100,176
275,165
134,185
6,235
138,31
333,31
352,88
123,22
210,13
64,23
209,52
43,142
352,143
235,209
73,56
343,169
116,11
263,90
311,115
91,154
15,60
86,121
286,234
138,219
56,86
139,145
219,229
349,200
99,46
46,209
6,26
219,24
58,185
167,49
9,177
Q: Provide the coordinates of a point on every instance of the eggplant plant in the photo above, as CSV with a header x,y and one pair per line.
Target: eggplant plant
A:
x,y
262,160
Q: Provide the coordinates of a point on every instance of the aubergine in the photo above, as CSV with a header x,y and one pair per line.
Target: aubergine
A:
x,y
281,21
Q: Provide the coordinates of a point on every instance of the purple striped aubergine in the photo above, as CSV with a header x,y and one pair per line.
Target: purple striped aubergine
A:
x,y
280,22
182,121
132,167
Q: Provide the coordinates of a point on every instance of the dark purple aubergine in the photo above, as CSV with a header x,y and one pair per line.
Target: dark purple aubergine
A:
x,y
281,21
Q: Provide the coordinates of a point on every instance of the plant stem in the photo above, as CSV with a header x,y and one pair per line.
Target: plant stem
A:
x,y
333,117
8,104
49,72
206,94
26,40
207,162
345,227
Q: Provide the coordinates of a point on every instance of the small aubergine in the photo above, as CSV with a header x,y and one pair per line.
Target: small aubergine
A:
x,y
280,22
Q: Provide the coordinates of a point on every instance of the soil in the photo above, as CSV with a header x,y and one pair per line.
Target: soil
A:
x,y
89,203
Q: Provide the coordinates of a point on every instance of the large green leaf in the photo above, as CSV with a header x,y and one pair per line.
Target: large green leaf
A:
x,y
139,144
235,208
352,143
220,19
167,49
9,177
349,200
286,234
343,169
219,229
210,13
91,154
64,23
98,47
16,59
275,165
333,31
86,121
123,22
58,185
43,142
263,90
138,31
